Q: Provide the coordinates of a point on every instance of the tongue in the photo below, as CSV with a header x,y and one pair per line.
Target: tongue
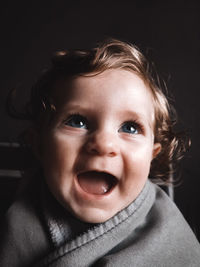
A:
x,y
97,183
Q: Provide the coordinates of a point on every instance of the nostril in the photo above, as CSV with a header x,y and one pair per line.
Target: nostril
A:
x,y
112,154
102,149
93,151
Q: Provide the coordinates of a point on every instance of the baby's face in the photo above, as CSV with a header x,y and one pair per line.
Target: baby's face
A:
x,y
97,152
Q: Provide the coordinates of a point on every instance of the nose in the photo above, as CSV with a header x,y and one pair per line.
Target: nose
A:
x,y
103,144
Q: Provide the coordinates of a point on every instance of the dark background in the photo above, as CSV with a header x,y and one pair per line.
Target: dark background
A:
x,y
167,32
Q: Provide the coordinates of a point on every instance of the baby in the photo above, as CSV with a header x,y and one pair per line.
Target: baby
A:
x,y
103,136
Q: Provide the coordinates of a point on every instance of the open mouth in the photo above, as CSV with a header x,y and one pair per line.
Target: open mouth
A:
x,y
97,183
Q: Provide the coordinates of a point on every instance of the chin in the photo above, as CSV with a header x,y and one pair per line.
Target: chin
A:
x,y
93,216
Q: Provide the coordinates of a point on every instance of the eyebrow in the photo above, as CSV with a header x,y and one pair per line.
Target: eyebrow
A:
x,y
67,108
74,107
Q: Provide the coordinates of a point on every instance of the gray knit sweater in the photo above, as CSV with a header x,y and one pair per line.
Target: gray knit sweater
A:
x,y
150,232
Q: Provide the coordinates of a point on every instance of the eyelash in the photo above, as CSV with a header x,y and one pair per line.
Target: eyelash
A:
x,y
132,123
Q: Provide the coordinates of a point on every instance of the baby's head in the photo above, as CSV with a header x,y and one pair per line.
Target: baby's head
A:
x,y
102,127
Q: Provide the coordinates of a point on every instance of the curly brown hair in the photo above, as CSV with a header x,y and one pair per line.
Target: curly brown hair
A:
x,y
112,54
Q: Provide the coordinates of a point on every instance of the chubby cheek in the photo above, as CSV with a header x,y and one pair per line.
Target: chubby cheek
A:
x,y
58,159
136,169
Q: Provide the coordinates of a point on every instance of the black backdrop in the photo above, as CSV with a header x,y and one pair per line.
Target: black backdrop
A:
x,y
168,32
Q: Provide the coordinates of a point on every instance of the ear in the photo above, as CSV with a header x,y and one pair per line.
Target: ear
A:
x,y
34,137
156,150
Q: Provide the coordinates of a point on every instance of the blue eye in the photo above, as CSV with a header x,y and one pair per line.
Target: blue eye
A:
x,y
77,121
129,127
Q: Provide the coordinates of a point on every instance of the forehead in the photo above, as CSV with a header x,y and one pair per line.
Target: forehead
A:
x,y
114,89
